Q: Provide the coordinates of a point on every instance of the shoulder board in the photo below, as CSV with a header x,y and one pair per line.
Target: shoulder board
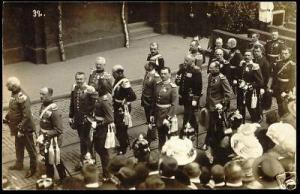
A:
x,y
173,85
73,87
107,75
156,74
54,106
255,66
126,83
222,76
90,89
159,82
21,97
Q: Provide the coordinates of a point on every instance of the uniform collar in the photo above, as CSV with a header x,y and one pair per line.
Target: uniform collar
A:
x,y
167,81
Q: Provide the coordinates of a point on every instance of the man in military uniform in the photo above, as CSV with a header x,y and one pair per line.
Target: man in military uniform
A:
x,y
189,80
234,60
196,53
20,122
284,76
263,63
150,79
218,96
104,120
255,42
250,80
83,98
165,102
99,79
218,45
51,127
224,64
273,48
156,57
122,95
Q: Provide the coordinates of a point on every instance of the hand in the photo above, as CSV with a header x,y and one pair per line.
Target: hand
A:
x,y
20,134
283,94
152,119
262,91
234,82
194,103
94,124
219,106
40,139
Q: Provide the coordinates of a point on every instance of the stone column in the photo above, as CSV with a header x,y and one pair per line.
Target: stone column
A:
x,y
163,22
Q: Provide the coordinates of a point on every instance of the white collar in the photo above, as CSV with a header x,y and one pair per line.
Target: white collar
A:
x,y
221,184
92,185
131,188
195,180
172,177
153,172
238,184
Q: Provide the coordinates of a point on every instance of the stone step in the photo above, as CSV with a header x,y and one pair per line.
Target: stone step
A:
x,y
148,35
140,31
137,25
291,25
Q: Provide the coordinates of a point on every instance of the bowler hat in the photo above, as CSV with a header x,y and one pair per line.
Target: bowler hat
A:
x,y
265,170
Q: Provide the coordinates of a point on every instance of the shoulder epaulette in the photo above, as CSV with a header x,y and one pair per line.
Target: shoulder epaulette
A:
x,y
222,76
255,66
54,107
21,97
126,83
173,85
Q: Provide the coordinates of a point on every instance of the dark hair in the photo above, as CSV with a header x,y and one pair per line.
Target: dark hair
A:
x,y
258,47
72,183
248,51
205,175
217,172
274,30
272,117
217,63
90,173
164,68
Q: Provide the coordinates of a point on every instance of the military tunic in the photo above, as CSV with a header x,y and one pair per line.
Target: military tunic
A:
x,y
158,59
104,117
251,74
265,67
82,104
273,50
20,119
165,102
51,123
150,79
101,81
224,67
284,80
234,59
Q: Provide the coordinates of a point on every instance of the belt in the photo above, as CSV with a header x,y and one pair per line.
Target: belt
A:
x,y
283,80
163,105
271,55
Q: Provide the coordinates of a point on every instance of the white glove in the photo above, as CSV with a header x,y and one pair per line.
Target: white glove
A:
x,y
152,119
283,94
219,106
194,103
40,139
94,124
71,120
20,134
262,91
166,122
234,82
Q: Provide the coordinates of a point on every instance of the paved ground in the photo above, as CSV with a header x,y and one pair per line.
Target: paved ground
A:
x,y
60,75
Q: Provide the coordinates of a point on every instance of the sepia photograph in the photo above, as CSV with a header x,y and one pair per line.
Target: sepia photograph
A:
x,y
149,95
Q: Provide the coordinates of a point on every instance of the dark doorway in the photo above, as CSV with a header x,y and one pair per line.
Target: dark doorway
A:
x,y
140,11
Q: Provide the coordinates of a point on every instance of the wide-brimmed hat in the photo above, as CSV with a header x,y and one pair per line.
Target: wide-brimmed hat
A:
x,y
265,170
180,149
292,107
284,135
245,144
204,117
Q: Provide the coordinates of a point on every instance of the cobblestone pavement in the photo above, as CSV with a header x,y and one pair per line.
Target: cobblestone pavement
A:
x,y
70,148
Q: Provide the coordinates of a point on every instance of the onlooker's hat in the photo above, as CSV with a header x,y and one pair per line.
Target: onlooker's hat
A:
x,y
116,163
140,147
154,182
217,173
284,135
168,166
265,170
180,149
192,170
233,171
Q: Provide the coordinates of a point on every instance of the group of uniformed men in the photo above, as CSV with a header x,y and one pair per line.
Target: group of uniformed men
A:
x,y
101,104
